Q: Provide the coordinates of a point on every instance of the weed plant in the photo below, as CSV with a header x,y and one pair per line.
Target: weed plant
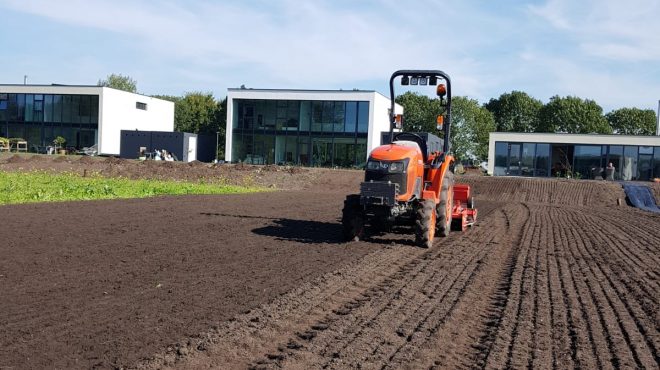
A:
x,y
31,187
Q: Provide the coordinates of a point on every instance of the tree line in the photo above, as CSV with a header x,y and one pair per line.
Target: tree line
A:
x,y
518,112
201,113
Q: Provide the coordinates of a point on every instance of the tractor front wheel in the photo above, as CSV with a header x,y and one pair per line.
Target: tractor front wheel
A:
x,y
352,218
425,223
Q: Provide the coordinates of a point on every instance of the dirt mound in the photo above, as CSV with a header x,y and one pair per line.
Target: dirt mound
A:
x,y
16,159
60,159
549,191
115,160
197,163
87,160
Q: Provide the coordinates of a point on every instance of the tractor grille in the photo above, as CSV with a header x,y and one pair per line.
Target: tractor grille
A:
x,y
395,178
378,193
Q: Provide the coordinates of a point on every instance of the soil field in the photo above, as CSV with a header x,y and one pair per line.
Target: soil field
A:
x,y
554,275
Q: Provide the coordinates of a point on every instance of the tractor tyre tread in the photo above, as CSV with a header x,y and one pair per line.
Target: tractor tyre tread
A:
x,y
444,224
424,228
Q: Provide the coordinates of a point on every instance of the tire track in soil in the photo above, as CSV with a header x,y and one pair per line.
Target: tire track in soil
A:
x,y
291,323
467,337
397,314
640,335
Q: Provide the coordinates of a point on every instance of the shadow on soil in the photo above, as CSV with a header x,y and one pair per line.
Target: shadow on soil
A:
x,y
301,231
306,231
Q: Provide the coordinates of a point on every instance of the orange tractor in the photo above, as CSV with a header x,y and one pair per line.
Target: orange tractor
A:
x,y
410,178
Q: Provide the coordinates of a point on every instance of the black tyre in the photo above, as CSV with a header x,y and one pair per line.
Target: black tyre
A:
x,y
425,223
470,203
352,218
445,206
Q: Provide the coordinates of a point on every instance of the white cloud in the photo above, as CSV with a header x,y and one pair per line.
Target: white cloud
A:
x,y
613,29
558,47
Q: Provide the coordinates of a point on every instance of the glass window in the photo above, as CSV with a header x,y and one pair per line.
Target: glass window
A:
x,y
321,152
57,108
501,158
85,109
38,114
29,107
542,160
94,110
338,119
4,115
361,152
33,136
351,116
293,115
656,162
291,150
20,103
304,154
527,162
363,116
238,146
644,166
305,115
629,170
615,156
12,107
317,116
586,161
344,152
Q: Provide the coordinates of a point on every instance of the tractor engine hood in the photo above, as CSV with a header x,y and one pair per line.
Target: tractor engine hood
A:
x,y
395,151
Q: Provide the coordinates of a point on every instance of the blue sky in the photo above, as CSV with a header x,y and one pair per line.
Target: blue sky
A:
x,y
604,50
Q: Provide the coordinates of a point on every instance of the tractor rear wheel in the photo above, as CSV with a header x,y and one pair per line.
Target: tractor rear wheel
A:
x,y
425,223
352,218
446,205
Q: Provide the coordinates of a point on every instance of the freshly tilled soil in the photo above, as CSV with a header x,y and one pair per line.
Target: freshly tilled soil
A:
x,y
554,275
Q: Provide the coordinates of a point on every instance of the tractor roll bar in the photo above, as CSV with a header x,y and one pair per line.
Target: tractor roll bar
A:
x,y
423,73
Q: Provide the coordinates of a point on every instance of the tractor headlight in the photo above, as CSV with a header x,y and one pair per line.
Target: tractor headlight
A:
x,y
373,165
397,166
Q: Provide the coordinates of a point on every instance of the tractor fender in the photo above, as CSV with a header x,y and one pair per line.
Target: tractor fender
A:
x,y
430,194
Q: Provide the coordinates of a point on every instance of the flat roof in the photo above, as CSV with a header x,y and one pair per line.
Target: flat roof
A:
x,y
49,85
53,89
302,90
564,138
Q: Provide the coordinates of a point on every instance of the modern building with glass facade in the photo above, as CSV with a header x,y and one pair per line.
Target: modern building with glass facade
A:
x,y
83,115
318,128
585,156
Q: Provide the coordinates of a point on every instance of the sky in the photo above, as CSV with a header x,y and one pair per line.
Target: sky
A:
x,y
604,50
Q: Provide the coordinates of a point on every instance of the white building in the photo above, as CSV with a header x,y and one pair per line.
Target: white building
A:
x,y
83,115
306,127
576,155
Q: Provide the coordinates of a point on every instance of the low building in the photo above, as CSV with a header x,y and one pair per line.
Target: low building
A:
x,y
304,127
84,115
585,156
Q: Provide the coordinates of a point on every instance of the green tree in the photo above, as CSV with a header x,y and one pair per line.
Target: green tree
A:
x,y
574,116
471,125
120,82
515,112
419,112
632,121
198,113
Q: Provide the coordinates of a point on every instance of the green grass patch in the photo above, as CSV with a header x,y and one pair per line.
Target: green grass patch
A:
x,y
31,187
